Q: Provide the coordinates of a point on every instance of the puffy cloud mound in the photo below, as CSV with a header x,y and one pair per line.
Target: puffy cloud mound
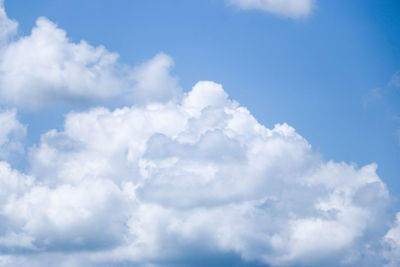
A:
x,y
177,182
153,81
8,27
288,8
46,68
187,179
392,241
12,133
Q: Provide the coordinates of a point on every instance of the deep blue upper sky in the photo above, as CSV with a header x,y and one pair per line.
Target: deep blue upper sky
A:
x,y
318,74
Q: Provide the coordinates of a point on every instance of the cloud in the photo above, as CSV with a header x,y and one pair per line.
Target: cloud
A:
x,y
372,96
12,134
392,240
154,83
288,8
395,80
154,184
46,68
8,27
173,179
397,133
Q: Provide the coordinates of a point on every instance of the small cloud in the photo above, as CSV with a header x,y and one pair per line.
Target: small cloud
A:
x,y
47,68
371,96
287,8
395,80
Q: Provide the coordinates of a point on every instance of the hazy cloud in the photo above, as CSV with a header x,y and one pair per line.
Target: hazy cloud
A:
x,y
395,80
288,8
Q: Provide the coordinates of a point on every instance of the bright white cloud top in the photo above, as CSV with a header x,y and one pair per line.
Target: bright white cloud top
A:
x,y
173,176
46,68
288,8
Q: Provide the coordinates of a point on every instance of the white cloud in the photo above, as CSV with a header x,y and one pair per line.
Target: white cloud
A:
x,y
12,134
371,97
175,177
392,240
8,27
395,80
83,217
288,8
46,68
154,82
156,183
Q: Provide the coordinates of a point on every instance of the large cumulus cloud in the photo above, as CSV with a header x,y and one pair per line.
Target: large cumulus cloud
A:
x,y
174,179
153,183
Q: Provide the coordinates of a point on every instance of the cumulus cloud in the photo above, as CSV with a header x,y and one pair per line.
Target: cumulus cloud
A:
x,y
392,240
157,183
12,134
8,27
175,178
46,68
154,83
288,8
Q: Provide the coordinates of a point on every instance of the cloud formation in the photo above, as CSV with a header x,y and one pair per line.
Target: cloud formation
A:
x,y
201,174
175,178
12,133
395,80
46,68
8,27
287,8
392,240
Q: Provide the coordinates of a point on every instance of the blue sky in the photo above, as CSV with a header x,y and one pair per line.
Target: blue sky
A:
x,y
330,74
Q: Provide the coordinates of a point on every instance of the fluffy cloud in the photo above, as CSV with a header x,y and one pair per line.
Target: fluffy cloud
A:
x,y
153,81
392,240
160,183
46,68
8,27
176,178
288,8
12,133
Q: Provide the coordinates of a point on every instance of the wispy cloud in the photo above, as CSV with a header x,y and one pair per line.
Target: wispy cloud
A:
x,y
371,96
395,80
288,8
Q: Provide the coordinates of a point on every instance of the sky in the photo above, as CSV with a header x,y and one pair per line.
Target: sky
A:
x,y
167,132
